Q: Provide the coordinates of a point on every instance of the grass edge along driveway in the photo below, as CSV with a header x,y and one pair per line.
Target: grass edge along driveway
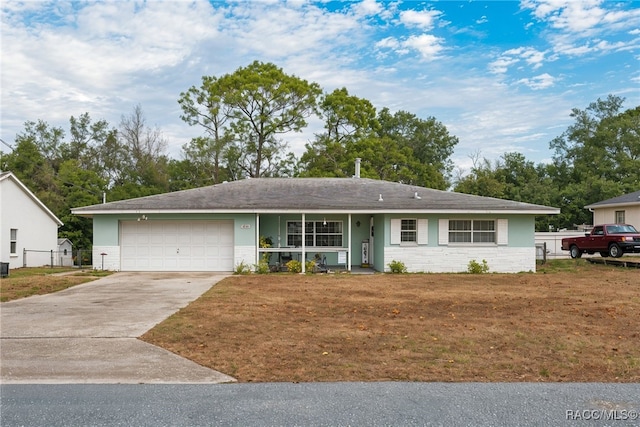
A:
x,y
25,282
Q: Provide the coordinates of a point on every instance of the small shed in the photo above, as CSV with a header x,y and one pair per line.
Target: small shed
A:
x,y
65,253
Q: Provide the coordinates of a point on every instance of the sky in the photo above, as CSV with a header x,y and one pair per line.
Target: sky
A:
x,y
502,76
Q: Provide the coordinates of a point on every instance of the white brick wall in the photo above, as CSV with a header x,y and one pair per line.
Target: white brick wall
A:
x,y
246,254
448,259
111,259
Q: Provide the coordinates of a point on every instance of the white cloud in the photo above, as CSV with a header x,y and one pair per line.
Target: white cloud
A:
x,y
389,43
423,19
577,22
367,8
278,31
542,81
511,57
427,45
502,64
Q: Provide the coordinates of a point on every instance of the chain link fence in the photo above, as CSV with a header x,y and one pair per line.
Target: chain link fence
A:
x,y
75,258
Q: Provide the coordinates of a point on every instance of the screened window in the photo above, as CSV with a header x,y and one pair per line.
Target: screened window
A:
x,y
620,217
472,231
409,230
317,233
13,241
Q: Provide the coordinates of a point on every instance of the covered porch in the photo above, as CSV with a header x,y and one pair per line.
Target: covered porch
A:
x,y
337,241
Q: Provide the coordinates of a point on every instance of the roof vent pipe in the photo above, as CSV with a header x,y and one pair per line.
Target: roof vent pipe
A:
x,y
357,175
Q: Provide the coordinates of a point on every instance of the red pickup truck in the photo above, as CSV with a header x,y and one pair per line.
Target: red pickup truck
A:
x,y
609,239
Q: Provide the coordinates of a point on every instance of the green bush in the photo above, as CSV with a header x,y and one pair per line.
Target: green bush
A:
x,y
475,267
242,268
294,266
397,267
263,267
310,266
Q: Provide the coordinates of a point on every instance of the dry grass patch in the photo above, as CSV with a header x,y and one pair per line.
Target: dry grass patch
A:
x,y
577,326
24,282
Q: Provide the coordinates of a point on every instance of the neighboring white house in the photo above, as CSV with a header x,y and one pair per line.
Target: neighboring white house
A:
x,y
25,224
347,221
623,209
64,257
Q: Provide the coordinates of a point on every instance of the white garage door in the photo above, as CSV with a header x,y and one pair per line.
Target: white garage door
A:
x,y
176,245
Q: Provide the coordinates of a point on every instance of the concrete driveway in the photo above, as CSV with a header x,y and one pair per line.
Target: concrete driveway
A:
x,y
88,333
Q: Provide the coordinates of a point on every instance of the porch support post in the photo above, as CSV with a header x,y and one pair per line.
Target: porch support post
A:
x,y
349,243
304,255
257,261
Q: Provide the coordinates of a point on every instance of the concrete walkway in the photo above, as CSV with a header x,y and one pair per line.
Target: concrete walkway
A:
x,y
88,333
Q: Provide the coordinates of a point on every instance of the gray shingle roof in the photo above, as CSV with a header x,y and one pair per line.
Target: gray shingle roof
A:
x,y
625,199
313,194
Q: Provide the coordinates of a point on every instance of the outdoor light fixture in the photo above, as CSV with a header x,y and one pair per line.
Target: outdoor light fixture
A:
x,y
324,222
142,218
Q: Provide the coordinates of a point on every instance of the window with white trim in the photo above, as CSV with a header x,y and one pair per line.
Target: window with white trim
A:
x,y
408,230
317,233
13,241
620,217
472,231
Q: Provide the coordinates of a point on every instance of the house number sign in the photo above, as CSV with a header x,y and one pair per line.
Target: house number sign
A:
x,y
245,226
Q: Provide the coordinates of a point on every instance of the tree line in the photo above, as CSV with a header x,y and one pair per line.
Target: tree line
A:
x,y
243,118
594,159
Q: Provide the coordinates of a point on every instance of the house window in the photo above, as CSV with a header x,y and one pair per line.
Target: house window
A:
x,y
317,233
620,217
13,241
472,231
409,230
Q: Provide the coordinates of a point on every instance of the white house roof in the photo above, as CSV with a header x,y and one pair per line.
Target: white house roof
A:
x,y
326,195
10,176
624,200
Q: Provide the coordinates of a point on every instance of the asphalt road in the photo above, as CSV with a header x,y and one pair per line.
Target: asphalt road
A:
x,y
321,404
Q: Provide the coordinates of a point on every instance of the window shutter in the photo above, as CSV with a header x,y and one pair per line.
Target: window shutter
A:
x,y
395,231
443,231
423,231
503,232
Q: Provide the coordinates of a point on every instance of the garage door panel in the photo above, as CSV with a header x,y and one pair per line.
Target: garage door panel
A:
x,y
152,251
156,239
177,245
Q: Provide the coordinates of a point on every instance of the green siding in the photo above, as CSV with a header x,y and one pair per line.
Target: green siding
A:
x,y
522,231
105,230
